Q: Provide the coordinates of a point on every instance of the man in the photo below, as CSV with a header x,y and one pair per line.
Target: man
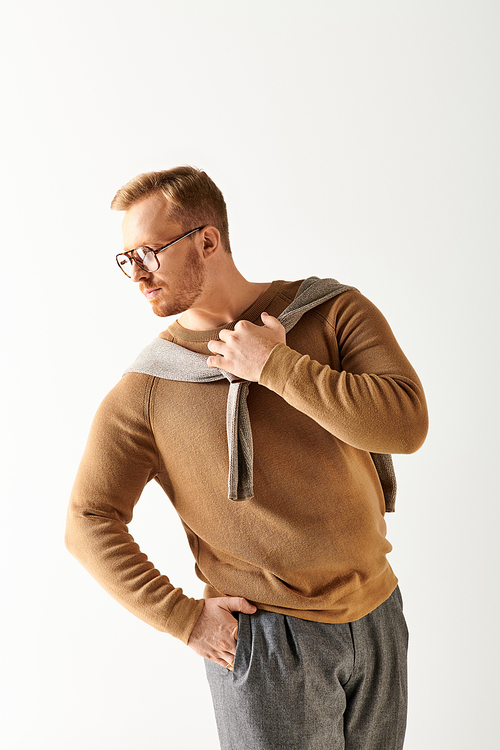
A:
x,y
270,439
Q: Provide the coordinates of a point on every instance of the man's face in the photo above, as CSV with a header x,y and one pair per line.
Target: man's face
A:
x,y
180,279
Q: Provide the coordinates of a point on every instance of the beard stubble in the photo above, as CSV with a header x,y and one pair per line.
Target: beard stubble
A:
x,y
189,287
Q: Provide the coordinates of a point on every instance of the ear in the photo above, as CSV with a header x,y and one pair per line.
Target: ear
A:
x,y
211,241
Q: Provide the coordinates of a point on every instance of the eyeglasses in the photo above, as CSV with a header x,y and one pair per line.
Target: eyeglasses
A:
x,y
145,257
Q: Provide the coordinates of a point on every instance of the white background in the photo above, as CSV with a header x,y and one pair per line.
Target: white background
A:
x,y
353,139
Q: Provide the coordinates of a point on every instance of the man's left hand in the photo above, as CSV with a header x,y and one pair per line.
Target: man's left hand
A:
x,y
244,351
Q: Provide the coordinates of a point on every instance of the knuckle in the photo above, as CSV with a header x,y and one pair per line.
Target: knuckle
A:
x,y
242,325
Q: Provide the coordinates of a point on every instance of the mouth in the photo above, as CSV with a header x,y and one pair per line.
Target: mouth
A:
x,y
151,293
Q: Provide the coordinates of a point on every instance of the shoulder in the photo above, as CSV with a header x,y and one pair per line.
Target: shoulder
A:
x,y
127,403
349,303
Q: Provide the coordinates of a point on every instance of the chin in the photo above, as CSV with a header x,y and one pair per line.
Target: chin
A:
x,y
160,313
165,311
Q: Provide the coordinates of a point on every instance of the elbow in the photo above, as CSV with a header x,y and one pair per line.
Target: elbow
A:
x,y
413,423
412,445
71,533
69,541
414,433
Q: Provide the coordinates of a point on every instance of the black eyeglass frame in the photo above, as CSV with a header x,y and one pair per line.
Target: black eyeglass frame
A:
x,y
129,255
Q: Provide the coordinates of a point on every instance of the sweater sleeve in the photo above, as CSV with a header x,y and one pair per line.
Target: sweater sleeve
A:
x,y
119,459
373,399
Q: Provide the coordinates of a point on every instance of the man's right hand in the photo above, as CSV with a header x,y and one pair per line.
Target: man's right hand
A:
x,y
216,630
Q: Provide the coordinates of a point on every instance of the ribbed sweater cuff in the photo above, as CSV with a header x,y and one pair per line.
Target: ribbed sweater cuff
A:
x,y
278,368
183,618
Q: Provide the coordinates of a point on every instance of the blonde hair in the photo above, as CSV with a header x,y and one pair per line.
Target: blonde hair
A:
x,y
193,199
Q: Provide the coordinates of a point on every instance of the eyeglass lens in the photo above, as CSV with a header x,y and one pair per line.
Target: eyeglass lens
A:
x,y
144,258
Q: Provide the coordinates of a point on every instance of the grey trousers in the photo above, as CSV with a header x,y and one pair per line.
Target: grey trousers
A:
x,y
300,685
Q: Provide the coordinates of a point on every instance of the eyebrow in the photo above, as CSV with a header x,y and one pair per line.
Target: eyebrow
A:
x,y
152,245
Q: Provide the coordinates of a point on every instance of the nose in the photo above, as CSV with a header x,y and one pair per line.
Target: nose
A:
x,y
138,273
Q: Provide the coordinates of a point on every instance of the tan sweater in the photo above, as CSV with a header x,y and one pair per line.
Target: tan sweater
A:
x,y
311,543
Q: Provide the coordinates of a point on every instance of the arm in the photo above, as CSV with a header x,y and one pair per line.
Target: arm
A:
x,y
119,459
372,397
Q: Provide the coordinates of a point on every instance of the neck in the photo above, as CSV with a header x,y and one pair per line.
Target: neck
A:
x,y
223,300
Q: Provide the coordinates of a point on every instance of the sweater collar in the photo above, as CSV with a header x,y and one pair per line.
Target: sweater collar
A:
x,y
179,333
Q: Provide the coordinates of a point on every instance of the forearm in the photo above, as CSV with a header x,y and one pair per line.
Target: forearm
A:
x,y
109,553
377,413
